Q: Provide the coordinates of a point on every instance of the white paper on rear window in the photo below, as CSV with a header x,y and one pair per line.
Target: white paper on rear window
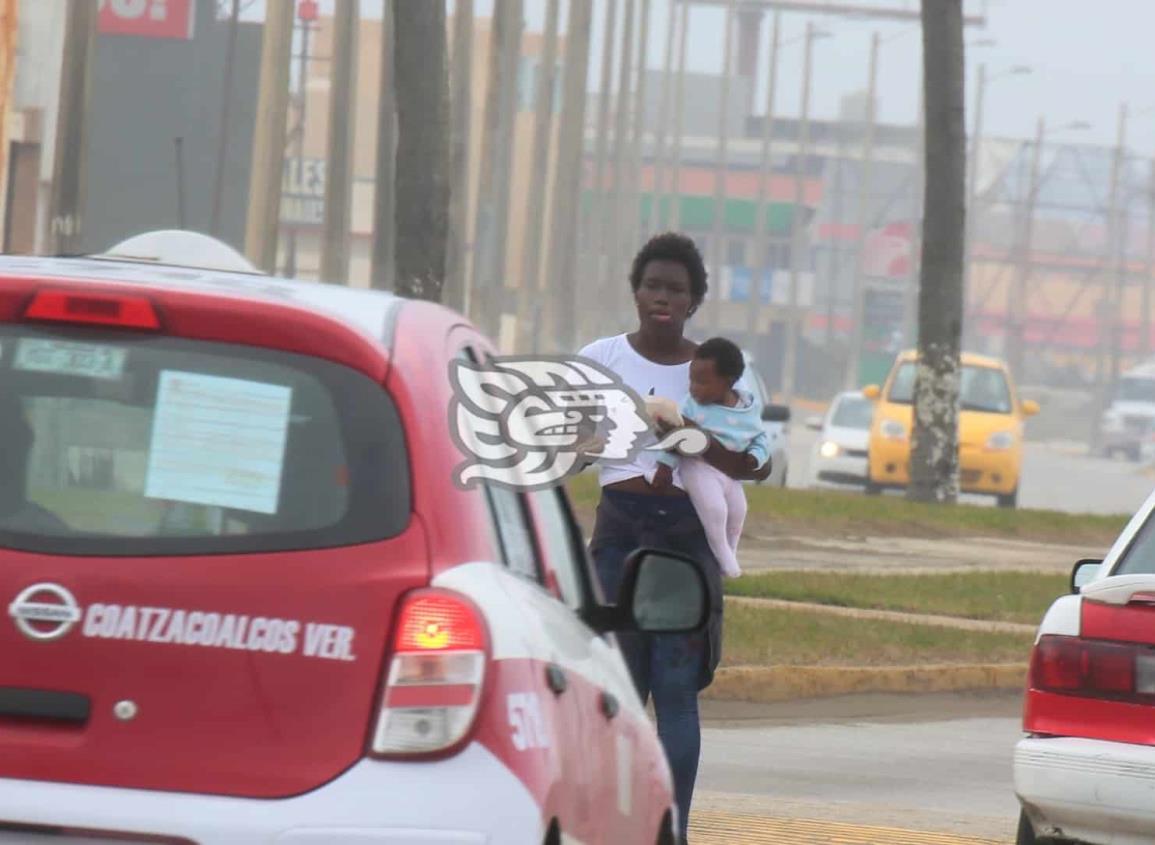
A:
x,y
218,441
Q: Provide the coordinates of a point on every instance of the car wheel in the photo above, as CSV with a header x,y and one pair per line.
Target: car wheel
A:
x,y
666,835
1026,833
1010,500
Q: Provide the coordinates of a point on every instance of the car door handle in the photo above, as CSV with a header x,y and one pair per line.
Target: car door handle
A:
x,y
609,705
555,678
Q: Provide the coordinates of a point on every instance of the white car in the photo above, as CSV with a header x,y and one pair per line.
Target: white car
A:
x,y
1085,769
776,423
840,453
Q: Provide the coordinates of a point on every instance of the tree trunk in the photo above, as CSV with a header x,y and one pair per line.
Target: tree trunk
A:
x,y
934,447
422,206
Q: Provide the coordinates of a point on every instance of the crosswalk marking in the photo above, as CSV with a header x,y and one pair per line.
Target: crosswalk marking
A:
x,y
713,828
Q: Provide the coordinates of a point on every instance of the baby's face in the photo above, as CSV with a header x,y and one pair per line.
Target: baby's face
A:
x,y
706,385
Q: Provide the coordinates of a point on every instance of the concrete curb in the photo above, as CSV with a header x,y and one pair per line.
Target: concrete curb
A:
x,y
762,684
955,622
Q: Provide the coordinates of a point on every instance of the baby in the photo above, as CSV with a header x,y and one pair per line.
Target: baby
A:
x,y
734,418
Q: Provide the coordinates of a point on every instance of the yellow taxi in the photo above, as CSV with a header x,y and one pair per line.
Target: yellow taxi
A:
x,y
991,417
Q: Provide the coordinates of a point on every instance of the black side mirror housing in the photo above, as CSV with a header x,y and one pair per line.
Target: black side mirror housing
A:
x,y
1083,573
776,413
662,593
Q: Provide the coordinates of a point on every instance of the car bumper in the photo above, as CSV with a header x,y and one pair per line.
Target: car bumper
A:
x,y
840,470
1089,790
980,471
469,799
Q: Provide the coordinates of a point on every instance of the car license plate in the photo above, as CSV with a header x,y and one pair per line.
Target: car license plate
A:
x,y
88,360
1145,673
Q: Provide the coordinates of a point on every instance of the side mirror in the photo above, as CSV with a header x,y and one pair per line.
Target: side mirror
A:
x,y
776,413
1084,573
663,593
814,423
1030,407
872,392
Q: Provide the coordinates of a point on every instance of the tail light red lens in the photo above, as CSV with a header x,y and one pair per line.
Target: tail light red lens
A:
x,y
131,312
435,677
1092,668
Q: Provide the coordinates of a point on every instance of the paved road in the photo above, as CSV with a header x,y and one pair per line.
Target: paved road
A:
x,y
1055,477
927,769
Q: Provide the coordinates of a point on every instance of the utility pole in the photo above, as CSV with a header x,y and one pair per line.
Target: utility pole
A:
x,y
973,181
268,159
934,438
917,210
634,195
679,112
653,217
461,104
1118,243
1148,266
562,286
611,291
592,226
299,131
866,187
342,132
765,175
69,176
721,164
225,126
529,295
382,261
790,359
488,290
1017,294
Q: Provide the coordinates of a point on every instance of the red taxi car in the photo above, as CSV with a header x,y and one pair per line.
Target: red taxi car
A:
x,y
245,602
1085,770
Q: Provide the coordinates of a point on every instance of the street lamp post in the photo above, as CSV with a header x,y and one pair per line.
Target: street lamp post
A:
x,y
972,176
790,359
1017,293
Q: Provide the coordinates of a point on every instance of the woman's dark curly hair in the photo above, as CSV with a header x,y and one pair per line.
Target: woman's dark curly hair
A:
x,y
680,249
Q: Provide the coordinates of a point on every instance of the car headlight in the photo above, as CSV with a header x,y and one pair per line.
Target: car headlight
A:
x,y
1001,441
893,430
829,449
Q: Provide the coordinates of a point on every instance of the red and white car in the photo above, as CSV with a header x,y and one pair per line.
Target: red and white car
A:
x,y
246,603
1085,769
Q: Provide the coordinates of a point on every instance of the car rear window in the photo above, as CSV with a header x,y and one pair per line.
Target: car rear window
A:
x,y
127,444
983,389
1139,559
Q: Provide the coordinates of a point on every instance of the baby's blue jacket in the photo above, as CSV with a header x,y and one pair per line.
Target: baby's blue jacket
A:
x,y
739,429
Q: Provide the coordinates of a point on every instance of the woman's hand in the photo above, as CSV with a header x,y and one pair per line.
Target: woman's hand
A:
x,y
741,466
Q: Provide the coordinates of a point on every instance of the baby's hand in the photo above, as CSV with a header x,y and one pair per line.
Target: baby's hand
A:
x,y
663,477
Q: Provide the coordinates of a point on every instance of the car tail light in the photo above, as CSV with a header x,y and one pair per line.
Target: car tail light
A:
x,y
131,312
1094,668
435,677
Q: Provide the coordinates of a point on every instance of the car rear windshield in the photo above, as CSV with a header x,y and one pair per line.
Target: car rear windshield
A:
x,y
122,444
982,389
1139,559
853,412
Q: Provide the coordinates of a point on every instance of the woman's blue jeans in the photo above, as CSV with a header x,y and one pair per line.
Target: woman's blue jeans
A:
x,y
671,668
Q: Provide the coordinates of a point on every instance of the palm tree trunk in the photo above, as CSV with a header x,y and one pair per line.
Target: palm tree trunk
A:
x,y
934,447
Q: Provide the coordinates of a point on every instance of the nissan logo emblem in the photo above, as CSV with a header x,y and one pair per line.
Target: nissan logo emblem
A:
x,y
44,612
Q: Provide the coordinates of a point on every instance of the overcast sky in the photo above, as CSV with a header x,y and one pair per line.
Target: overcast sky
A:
x,y
1086,58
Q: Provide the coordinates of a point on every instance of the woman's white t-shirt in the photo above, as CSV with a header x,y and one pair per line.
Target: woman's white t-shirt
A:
x,y
646,379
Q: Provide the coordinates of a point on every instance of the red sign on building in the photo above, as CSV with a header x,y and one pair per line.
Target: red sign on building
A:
x,y
148,18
